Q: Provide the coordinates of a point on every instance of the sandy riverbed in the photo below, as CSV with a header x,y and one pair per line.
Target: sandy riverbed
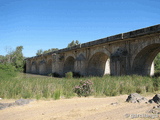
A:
x,y
77,109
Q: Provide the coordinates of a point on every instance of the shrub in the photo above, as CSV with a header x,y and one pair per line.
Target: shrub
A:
x,y
156,83
7,70
69,75
84,88
57,94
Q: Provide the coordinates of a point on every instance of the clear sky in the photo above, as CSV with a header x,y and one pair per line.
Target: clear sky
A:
x,y
45,24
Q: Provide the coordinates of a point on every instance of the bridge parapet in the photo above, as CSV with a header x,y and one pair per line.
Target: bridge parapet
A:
x,y
143,31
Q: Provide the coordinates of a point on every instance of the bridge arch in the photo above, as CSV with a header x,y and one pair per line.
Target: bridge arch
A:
x,y
42,67
99,64
143,59
69,64
99,50
28,66
49,66
34,67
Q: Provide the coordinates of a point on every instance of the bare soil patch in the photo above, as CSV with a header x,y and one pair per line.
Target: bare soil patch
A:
x,y
90,108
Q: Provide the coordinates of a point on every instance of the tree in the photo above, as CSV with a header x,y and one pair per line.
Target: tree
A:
x,y
14,58
73,43
39,52
18,59
50,50
2,59
157,62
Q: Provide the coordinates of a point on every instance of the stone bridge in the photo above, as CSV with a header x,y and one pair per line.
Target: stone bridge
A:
x,y
122,54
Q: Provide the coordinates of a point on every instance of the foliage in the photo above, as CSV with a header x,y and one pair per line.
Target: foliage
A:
x,y
31,86
157,62
40,52
84,88
50,50
18,59
69,75
57,94
2,59
14,57
73,43
7,71
156,83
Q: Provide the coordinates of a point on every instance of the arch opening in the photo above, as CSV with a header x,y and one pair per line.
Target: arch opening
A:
x,y
143,62
49,66
34,67
69,65
42,67
99,65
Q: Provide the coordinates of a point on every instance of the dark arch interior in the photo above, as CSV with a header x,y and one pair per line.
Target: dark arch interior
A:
x,y
143,61
69,65
97,64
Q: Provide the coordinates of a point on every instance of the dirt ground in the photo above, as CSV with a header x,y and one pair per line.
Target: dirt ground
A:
x,y
111,108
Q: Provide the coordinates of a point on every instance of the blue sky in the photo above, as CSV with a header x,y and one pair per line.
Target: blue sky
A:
x,y
45,24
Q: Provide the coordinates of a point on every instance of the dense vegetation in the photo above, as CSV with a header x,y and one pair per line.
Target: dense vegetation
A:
x,y
26,86
157,63
73,43
14,58
40,52
17,85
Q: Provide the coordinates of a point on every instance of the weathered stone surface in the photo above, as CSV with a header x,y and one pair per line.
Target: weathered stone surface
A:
x,y
16,103
156,98
155,110
22,101
136,98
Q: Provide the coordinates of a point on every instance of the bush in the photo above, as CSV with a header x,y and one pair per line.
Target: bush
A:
x,y
69,75
156,83
84,88
57,94
7,70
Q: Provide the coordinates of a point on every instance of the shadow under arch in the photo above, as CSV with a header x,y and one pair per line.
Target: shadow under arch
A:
x,y
98,65
143,60
69,65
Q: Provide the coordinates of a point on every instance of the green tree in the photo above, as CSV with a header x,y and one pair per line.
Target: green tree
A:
x,y
73,43
39,52
157,62
50,50
14,58
18,59
2,59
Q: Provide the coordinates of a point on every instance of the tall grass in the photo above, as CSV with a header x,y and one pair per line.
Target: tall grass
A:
x,y
26,86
